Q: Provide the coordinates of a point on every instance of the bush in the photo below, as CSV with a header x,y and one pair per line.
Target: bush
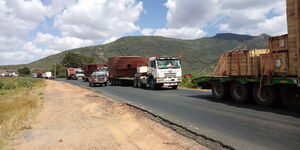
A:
x,y
24,71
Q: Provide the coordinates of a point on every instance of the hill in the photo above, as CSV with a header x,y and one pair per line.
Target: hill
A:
x,y
198,55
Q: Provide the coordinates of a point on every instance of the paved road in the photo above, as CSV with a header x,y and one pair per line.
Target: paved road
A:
x,y
242,126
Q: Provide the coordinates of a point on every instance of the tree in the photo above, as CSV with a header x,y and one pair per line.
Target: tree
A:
x,y
24,71
75,60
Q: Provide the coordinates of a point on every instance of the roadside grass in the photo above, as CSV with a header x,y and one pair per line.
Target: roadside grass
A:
x,y
19,98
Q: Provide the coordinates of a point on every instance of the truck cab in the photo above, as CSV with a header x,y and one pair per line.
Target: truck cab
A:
x,y
161,71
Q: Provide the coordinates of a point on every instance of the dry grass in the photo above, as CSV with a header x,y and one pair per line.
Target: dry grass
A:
x,y
18,99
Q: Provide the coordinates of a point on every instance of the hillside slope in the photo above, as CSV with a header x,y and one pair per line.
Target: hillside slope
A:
x,y
198,55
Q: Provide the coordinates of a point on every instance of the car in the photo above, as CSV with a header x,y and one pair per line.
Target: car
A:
x,y
98,78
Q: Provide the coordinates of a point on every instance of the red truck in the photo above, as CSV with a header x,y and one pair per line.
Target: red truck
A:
x,y
74,73
90,68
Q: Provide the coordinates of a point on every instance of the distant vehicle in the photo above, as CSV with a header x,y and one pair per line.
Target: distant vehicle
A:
x,y
39,75
2,75
90,68
48,75
99,77
79,74
13,74
34,75
74,73
43,75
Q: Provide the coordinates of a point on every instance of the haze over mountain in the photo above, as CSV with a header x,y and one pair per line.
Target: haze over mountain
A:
x,y
199,55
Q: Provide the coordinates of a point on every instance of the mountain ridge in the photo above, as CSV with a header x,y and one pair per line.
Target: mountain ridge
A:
x,y
198,55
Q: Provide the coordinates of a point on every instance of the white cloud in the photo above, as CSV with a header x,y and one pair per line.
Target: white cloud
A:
x,y
79,22
147,31
60,43
238,16
181,33
99,19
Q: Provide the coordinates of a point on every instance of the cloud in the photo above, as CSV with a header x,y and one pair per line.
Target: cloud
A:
x,y
60,43
181,33
77,23
99,20
243,16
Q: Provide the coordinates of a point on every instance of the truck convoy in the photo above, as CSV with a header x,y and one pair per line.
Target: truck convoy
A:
x,y
90,68
266,75
153,72
74,73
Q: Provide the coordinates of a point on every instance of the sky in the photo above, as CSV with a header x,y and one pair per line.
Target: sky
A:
x,y
33,29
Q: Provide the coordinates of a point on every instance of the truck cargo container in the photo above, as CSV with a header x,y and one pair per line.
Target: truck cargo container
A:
x,y
122,69
274,74
89,69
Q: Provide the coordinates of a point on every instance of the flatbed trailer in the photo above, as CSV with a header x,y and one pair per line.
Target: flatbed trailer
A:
x,y
265,91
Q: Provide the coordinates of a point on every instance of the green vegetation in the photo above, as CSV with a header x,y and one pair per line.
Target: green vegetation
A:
x,y
199,56
18,100
24,71
76,60
187,83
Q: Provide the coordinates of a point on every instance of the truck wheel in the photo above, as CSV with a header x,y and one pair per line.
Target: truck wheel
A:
x,y
239,92
219,90
174,87
90,84
105,84
152,84
265,96
290,97
135,82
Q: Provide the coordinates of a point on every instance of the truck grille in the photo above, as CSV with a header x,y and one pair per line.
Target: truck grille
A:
x,y
170,74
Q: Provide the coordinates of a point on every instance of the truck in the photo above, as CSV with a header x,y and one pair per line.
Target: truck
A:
x,y
74,73
48,75
153,72
89,69
267,76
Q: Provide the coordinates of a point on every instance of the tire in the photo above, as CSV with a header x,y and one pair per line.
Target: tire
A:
x,y
266,96
135,84
152,84
175,87
219,90
290,97
90,84
105,84
239,92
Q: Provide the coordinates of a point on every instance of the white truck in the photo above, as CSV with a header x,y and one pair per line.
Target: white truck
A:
x,y
161,71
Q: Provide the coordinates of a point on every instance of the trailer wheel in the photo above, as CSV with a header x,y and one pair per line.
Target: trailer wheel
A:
x,y
152,84
174,87
239,92
290,97
90,84
219,90
265,96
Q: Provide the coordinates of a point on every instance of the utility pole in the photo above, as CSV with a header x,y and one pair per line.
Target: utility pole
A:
x,y
54,71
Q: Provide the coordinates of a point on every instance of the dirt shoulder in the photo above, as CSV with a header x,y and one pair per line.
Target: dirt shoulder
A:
x,y
78,118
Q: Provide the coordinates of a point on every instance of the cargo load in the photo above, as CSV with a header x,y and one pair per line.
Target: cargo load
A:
x,y
125,66
240,63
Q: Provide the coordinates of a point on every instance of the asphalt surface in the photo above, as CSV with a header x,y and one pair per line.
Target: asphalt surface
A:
x,y
241,126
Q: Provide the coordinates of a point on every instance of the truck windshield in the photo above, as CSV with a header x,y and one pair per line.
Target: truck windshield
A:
x,y
168,63
79,72
98,74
